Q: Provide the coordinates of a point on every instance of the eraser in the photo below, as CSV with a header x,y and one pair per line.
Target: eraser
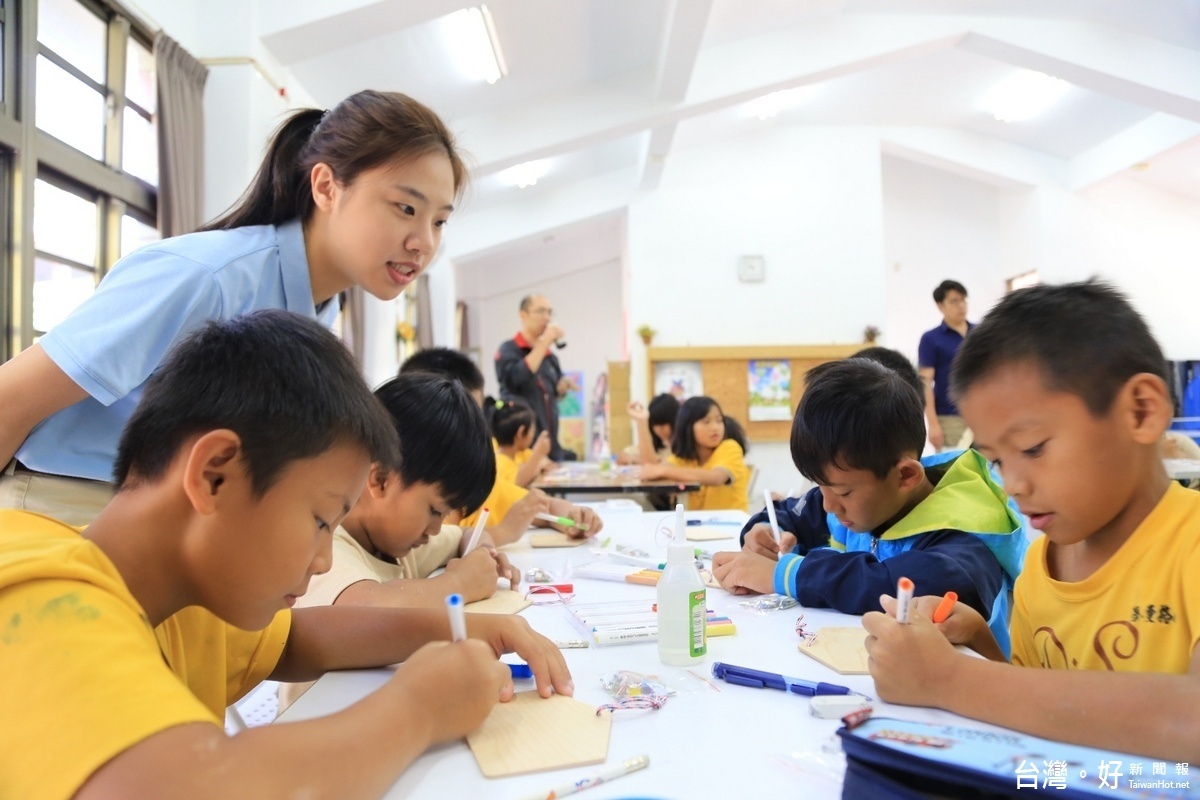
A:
x,y
520,671
836,706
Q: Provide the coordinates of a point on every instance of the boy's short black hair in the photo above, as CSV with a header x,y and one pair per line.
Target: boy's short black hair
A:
x,y
1085,338
856,414
945,287
895,360
447,363
506,417
284,384
663,410
444,440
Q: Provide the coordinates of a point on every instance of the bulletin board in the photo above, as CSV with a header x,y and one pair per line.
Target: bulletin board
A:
x,y
725,369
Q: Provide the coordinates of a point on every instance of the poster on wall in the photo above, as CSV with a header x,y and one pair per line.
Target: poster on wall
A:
x,y
681,379
572,426
600,449
770,385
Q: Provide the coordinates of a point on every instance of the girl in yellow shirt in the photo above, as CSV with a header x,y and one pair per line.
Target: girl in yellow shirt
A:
x,y
704,450
519,458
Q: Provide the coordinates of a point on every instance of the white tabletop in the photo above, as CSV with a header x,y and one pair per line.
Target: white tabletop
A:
x,y
1180,469
703,743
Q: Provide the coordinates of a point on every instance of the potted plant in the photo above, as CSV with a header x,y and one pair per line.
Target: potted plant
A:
x,y
870,334
647,333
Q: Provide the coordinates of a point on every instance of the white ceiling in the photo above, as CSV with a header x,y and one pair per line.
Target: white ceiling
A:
x,y
606,89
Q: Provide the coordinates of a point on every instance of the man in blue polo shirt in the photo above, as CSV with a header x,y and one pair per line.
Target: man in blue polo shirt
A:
x,y
934,357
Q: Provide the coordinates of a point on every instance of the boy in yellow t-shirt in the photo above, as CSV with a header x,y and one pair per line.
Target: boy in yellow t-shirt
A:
x,y
394,538
704,452
1064,387
122,646
511,508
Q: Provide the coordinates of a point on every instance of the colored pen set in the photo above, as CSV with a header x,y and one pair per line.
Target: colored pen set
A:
x,y
631,621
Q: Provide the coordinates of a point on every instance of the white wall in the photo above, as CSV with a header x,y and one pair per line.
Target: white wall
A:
x,y
807,199
587,305
1145,240
936,226
586,302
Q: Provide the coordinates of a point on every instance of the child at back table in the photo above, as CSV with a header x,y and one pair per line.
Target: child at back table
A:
x,y
511,507
704,452
1065,389
879,512
123,646
519,459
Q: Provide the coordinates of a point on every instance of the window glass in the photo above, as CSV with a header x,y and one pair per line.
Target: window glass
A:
x,y
135,234
68,109
139,151
64,224
74,33
58,289
139,76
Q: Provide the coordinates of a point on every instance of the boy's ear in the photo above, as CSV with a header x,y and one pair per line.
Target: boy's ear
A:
x,y
1148,406
378,480
211,462
911,473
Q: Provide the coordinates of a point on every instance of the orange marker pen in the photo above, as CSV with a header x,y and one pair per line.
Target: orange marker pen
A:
x,y
943,609
904,595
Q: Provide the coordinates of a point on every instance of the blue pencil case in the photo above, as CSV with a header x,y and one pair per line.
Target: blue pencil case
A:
x,y
892,759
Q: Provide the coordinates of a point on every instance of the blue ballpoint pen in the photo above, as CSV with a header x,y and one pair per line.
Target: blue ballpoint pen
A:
x,y
744,676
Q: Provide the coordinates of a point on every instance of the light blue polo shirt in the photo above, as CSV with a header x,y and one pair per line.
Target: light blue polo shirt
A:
x,y
150,300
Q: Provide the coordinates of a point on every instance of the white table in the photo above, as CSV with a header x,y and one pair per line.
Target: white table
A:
x,y
735,742
1182,469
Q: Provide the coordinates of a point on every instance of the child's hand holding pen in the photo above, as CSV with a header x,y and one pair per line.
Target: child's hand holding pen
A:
x,y
911,662
761,540
474,575
957,621
472,680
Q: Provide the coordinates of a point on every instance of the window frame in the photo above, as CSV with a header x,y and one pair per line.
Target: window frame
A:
x,y
27,153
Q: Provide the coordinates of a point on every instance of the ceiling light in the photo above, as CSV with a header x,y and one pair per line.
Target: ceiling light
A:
x,y
771,104
526,174
473,43
1023,95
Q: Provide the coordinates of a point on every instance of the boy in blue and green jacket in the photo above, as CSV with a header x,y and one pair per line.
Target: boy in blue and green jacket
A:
x,y
879,512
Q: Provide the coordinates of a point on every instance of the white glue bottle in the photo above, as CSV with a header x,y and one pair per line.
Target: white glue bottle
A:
x,y
682,611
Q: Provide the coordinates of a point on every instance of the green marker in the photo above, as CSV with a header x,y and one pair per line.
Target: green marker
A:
x,y
564,521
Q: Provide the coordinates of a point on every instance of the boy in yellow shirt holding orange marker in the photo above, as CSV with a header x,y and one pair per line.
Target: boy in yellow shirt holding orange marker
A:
x,y
1064,387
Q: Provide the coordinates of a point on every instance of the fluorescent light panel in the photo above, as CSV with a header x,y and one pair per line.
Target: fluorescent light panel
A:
x,y
771,104
526,174
471,35
1023,95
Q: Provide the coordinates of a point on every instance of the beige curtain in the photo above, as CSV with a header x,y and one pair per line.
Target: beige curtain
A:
x,y
181,81
464,327
424,314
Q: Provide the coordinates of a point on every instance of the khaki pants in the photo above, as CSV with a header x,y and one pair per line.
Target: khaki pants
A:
x,y
954,432
75,501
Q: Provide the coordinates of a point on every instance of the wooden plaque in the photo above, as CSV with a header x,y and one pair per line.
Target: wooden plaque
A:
x,y
533,734
843,650
504,601
556,539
